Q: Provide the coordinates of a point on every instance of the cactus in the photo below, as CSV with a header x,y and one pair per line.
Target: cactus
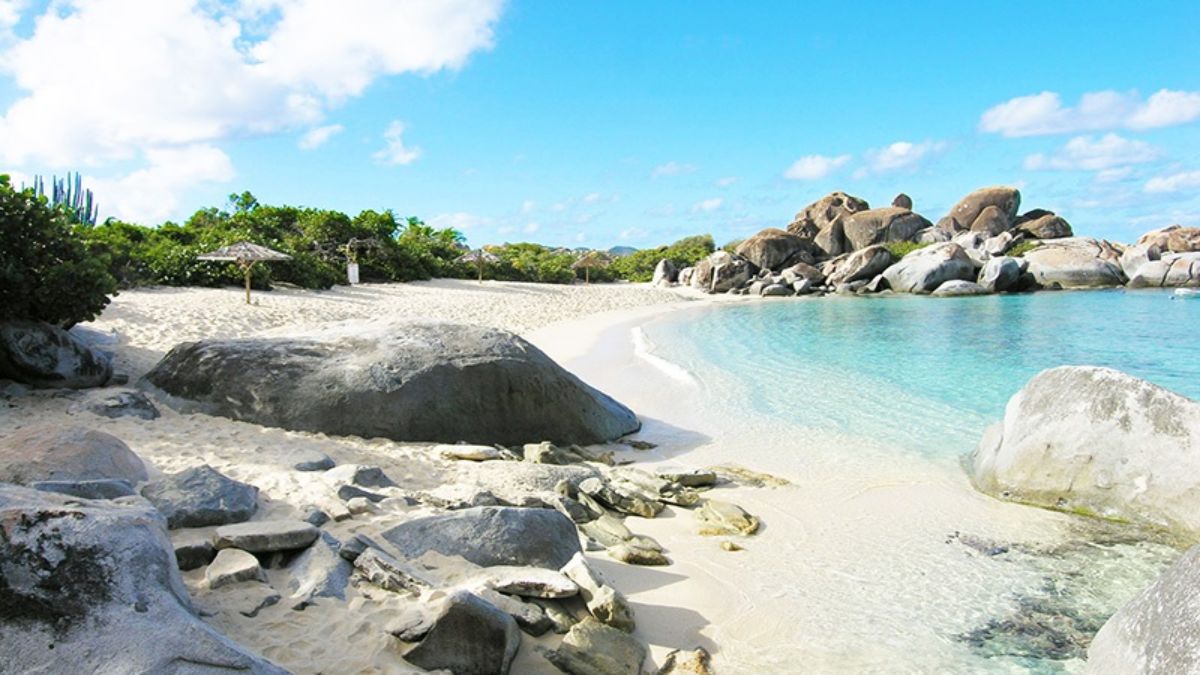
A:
x,y
69,195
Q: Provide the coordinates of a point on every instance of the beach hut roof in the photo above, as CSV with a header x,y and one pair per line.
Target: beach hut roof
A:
x,y
244,251
592,259
477,255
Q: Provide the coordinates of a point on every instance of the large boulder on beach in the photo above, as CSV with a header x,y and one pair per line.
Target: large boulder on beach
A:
x,y
861,265
1156,631
42,355
721,272
1042,224
67,454
1076,262
92,587
665,273
923,270
407,382
491,535
881,226
775,249
1097,441
466,636
1174,238
820,215
967,211
1002,273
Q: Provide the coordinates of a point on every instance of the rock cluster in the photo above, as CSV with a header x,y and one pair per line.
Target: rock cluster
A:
x,y
839,244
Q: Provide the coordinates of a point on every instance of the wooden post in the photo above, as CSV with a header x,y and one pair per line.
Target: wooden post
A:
x,y
587,275
480,269
246,265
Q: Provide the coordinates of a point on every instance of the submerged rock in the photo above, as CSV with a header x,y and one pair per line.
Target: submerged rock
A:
x,y
92,587
426,382
42,355
491,535
1100,442
72,453
202,496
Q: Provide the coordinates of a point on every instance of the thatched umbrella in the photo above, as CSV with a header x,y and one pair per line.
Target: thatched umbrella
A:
x,y
245,255
590,261
480,257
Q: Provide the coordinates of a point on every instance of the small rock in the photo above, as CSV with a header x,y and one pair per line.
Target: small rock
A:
x,y
604,602
529,617
529,582
592,648
193,553
106,488
694,662
693,478
354,546
231,566
360,505
471,453
265,536
571,508
636,555
561,620
320,571
362,476
316,517
468,635
389,573
640,445
548,453
202,496
121,404
621,498
903,201
740,474
607,529
350,492
315,461
718,517
731,546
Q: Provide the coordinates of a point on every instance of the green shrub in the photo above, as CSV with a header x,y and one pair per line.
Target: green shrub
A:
x,y
899,249
639,266
1022,248
731,247
47,271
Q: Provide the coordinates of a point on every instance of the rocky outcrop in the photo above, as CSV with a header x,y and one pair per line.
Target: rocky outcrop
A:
x,y
1076,262
720,272
923,270
991,221
967,211
817,220
1097,441
491,535
1156,631
880,226
92,587
958,288
71,454
1042,224
1174,239
202,496
775,249
422,382
861,265
42,355
1169,271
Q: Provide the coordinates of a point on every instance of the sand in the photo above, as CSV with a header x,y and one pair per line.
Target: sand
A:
x,y
852,571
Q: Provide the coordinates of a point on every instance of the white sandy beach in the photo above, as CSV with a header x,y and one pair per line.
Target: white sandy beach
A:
x,y
851,569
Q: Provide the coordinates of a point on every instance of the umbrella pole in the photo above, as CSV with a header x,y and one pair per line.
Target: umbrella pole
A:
x,y
587,275
246,266
480,270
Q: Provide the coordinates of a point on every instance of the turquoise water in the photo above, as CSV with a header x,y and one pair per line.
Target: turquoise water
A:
x,y
927,374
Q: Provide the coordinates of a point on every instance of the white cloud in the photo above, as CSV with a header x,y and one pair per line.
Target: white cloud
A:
x,y
528,206
1089,153
1044,113
1113,175
726,181
394,151
530,228
672,168
460,221
318,136
632,233
707,205
900,155
591,198
107,81
1174,182
151,194
814,167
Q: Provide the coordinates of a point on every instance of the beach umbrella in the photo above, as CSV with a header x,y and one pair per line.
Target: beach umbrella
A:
x,y
590,261
245,255
479,257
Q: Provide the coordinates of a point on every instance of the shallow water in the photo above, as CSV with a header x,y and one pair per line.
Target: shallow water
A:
x,y
922,373
891,562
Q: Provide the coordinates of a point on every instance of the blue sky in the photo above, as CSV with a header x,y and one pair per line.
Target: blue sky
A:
x,y
608,123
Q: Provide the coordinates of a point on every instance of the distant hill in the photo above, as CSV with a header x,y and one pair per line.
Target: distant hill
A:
x,y
619,251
